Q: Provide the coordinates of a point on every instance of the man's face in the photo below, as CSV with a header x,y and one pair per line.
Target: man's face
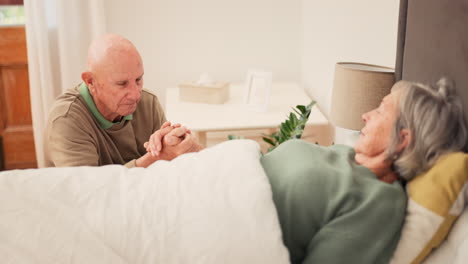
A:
x,y
375,136
119,83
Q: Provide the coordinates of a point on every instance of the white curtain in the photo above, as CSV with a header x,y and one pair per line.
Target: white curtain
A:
x,y
58,33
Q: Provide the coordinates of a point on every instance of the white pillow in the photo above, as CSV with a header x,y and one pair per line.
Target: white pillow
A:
x,y
455,248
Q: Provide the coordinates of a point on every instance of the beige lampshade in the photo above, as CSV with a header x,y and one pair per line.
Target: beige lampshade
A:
x,y
357,89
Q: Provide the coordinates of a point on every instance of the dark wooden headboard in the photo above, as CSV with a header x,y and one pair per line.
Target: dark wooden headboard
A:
x,y
433,42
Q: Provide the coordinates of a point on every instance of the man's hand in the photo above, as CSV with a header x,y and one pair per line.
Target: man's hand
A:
x,y
168,143
188,144
154,144
168,135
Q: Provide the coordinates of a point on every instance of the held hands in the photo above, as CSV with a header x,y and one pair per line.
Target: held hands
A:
x,y
171,141
168,134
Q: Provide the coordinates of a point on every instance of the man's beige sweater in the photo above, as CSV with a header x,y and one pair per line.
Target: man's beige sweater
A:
x,y
74,137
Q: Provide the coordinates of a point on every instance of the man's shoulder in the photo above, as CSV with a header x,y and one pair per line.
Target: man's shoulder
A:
x,y
148,101
65,104
148,95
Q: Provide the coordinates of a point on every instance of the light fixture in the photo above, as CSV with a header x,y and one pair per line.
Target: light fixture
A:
x,y
357,89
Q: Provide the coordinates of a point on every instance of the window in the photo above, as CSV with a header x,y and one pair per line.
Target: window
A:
x,y
12,12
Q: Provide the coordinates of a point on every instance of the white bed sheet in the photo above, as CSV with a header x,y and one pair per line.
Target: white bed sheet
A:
x,y
209,207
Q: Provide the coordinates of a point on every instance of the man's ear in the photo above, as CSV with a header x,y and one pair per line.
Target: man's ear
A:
x,y
88,79
405,136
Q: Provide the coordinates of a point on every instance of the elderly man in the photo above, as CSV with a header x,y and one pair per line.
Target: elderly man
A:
x,y
109,118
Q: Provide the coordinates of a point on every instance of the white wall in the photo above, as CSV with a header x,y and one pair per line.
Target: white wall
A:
x,y
298,40
337,30
180,39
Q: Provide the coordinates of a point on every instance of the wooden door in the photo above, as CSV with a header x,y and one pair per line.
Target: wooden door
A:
x,y
15,110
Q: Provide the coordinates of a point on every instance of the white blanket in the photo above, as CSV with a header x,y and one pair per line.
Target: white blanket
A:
x,y
209,207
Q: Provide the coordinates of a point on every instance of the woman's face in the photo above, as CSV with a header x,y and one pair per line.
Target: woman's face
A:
x,y
375,135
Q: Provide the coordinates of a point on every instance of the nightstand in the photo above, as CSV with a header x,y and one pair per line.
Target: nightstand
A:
x,y
234,116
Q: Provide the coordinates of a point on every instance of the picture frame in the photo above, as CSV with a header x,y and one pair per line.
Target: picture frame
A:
x,y
258,89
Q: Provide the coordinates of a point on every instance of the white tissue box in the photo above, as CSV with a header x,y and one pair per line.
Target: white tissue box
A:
x,y
213,93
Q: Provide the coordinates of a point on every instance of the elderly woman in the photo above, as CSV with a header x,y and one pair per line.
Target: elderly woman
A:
x,y
342,205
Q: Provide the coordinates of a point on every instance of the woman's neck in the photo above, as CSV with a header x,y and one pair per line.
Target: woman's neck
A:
x,y
379,165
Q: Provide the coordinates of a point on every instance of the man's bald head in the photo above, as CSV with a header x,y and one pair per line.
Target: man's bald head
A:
x,y
107,49
114,76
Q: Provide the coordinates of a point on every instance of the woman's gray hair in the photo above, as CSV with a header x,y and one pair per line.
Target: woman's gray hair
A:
x,y
434,117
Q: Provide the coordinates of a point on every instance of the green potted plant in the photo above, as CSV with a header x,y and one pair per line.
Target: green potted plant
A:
x,y
291,128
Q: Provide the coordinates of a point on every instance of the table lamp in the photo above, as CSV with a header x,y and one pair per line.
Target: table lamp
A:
x,y
357,89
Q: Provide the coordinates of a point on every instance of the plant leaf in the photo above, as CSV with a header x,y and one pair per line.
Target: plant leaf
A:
x,y
301,108
232,137
292,127
269,141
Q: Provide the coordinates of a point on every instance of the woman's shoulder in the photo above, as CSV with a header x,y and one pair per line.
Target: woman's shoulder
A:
x,y
302,145
301,163
297,150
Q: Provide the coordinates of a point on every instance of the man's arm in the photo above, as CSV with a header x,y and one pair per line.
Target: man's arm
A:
x,y
67,144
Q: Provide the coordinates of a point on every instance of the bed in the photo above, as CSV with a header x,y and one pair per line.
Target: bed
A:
x,y
222,213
